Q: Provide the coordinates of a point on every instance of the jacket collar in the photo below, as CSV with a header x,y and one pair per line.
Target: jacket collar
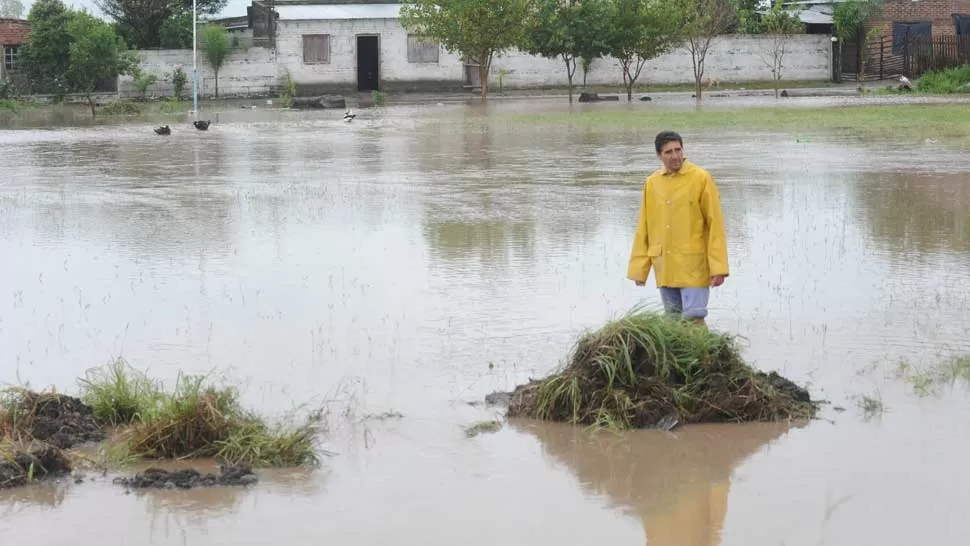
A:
x,y
685,167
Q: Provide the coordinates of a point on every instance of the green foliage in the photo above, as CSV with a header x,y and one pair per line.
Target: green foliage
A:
x,y
118,393
176,31
747,17
476,29
142,80
289,90
570,30
640,30
215,46
950,80
121,108
849,16
179,81
44,59
97,53
148,24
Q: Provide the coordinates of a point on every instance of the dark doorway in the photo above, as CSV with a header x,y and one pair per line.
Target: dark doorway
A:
x,y
368,63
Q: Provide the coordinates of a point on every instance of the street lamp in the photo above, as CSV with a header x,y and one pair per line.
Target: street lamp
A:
x,y
195,66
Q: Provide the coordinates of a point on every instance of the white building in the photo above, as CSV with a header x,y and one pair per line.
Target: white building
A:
x,y
347,46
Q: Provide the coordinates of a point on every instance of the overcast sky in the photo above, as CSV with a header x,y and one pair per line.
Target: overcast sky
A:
x,y
235,8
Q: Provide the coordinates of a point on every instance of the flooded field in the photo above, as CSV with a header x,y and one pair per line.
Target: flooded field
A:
x,y
419,258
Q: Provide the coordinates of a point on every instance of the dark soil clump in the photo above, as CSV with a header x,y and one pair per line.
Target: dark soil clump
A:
x,y
188,478
39,462
650,371
60,420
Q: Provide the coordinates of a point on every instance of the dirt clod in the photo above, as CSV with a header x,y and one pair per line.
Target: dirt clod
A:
x,y
35,463
188,478
60,420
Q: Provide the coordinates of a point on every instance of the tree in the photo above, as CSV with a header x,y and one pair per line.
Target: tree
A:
x,y
141,22
97,53
571,30
705,20
12,9
44,58
641,30
779,25
215,45
849,18
476,29
176,31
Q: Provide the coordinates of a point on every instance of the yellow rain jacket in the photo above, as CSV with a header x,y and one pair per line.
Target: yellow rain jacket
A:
x,y
680,230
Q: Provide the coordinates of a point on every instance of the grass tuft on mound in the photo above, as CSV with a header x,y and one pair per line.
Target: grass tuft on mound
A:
x,y
645,369
194,420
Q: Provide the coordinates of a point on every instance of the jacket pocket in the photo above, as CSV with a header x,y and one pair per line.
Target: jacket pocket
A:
x,y
654,250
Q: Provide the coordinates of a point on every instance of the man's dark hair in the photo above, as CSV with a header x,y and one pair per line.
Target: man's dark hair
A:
x,y
664,137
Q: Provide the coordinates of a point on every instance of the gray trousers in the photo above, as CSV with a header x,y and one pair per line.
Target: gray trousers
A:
x,y
687,302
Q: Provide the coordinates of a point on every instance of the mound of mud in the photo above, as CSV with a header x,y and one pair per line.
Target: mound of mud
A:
x,y
188,478
38,462
650,371
60,420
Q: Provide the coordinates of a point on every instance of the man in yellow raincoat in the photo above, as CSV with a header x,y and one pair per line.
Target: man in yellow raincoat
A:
x,y
680,232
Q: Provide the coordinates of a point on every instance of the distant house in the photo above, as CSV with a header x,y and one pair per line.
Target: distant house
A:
x,y
13,34
906,37
353,45
901,18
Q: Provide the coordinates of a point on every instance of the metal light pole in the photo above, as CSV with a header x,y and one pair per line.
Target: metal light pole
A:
x,y
195,66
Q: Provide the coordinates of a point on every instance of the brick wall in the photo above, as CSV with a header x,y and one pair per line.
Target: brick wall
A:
x,y
13,31
937,12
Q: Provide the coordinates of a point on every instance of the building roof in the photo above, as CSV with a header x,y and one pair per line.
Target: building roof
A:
x,y
310,12
13,31
811,12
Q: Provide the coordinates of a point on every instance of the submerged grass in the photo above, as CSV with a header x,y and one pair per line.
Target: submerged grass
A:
x,y
193,420
911,122
648,370
928,380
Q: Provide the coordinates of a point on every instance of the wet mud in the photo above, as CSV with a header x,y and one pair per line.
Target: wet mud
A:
x,y
38,462
59,420
158,478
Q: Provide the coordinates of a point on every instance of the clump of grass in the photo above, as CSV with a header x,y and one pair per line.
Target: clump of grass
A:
x,y
646,369
118,392
194,420
121,107
483,427
947,81
871,406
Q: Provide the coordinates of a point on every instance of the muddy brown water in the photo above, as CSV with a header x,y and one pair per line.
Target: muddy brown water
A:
x,y
422,257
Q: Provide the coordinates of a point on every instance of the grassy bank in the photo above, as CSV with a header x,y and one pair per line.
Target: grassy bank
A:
x,y
912,122
647,370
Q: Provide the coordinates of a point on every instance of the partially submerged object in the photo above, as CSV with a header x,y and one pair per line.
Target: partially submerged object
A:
x,y
647,370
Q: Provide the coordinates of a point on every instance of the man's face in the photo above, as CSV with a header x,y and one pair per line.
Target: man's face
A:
x,y
672,156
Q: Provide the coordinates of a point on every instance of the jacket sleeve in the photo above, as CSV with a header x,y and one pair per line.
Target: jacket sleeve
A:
x,y
716,238
640,262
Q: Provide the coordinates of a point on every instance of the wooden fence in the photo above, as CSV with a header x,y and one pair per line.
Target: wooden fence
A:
x,y
888,58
